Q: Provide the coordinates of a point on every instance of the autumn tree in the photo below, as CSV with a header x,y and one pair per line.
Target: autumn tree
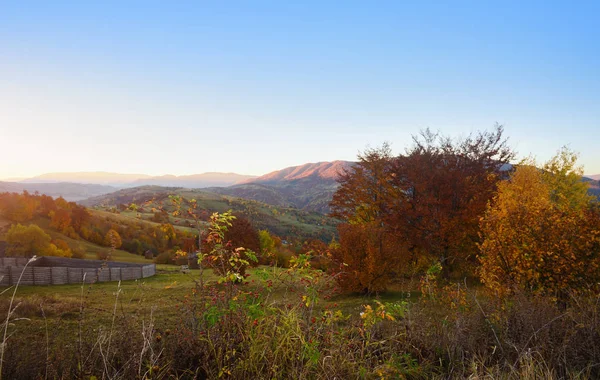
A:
x,y
27,240
61,244
58,248
46,205
369,257
60,219
542,231
112,239
241,233
363,202
267,246
426,202
169,232
62,203
445,185
18,208
79,216
266,241
366,189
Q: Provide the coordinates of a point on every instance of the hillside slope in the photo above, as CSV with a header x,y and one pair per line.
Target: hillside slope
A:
x,y
320,171
308,187
283,221
194,181
91,250
594,186
595,177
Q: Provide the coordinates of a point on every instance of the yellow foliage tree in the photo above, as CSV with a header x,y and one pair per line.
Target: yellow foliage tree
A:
x,y
32,240
542,231
112,239
27,240
53,250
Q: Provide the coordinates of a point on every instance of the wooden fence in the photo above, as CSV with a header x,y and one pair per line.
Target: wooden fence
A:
x,y
11,269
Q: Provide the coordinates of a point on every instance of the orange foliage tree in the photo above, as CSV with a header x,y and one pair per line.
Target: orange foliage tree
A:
x,y
18,208
60,219
542,231
370,257
362,202
445,187
426,202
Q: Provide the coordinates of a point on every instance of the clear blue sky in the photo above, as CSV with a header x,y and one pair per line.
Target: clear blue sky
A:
x,y
251,86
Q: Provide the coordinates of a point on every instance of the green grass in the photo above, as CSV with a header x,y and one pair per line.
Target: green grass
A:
x,y
284,222
129,216
432,340
162,292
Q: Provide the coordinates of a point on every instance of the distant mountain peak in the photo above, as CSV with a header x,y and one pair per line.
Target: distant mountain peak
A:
x,y
129,180
325,170
96,177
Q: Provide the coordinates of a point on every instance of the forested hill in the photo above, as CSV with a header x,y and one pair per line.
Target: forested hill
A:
x,y
308,187
153,203
317,172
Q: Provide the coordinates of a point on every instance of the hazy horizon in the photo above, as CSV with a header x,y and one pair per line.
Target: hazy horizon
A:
x,y
188,88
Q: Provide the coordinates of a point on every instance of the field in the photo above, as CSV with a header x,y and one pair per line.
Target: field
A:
x,y
290,324
55,314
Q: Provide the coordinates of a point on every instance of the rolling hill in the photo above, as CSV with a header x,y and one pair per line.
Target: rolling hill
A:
x,y
90,249
594,186
308,187
286,222
193,181
320,171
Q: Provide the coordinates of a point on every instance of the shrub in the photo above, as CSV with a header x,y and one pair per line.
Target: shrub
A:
x,y
224,257
103,255
78,253
166,257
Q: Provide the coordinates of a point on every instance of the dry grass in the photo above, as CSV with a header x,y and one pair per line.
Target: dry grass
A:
x,y
170,327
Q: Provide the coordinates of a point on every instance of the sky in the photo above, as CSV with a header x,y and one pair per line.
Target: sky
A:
x,y
250,87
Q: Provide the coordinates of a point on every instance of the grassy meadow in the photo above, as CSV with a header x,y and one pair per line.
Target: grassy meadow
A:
x,y
290,323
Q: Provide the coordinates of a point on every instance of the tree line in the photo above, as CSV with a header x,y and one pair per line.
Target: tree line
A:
x,y
76,222
459,204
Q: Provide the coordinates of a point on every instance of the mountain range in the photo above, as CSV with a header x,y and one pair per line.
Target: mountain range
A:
x,y
72,192
307,187
133,180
